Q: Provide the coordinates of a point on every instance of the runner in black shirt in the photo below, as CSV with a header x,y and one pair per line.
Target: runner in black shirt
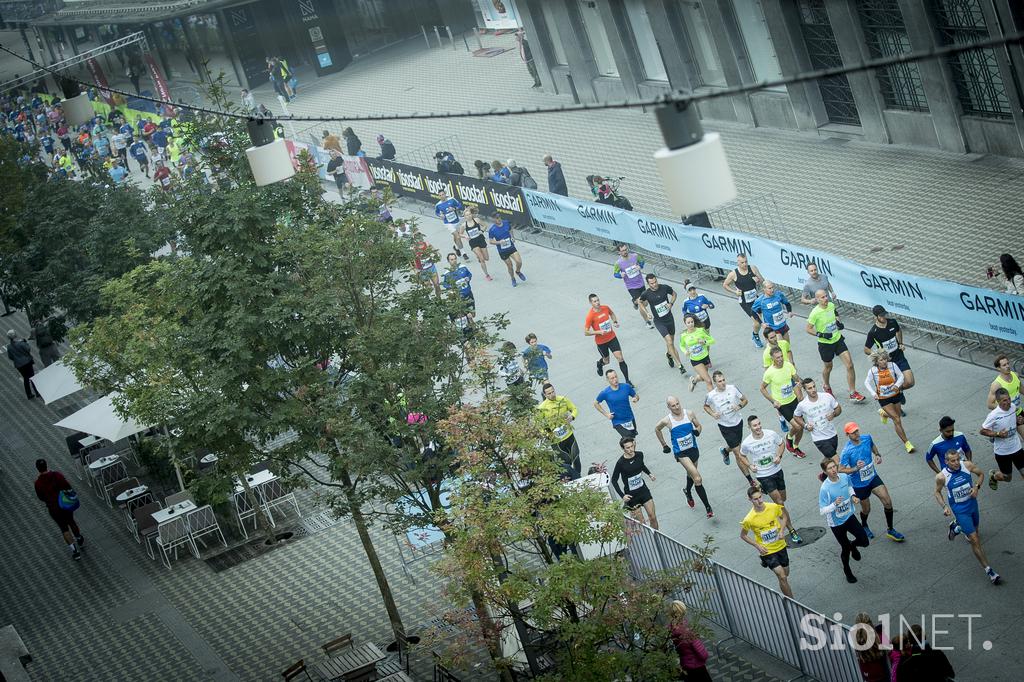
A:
x,y
742,282
631,469
885,333
658,300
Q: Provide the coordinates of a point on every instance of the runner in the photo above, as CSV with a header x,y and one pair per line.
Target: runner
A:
x,y
448,211
885,333
774,308
423,254
949,439
815,414
746,278
500,234
824,325
629,268
556,414
1008,380
698,306
957,495
761,453
816,280
860,457
766,521
472,228
661,298
773,340
784,384
684,429
724,403
458,277
618,397
696,345
598,323
536,356
1001,426
631,469
835,502
884,382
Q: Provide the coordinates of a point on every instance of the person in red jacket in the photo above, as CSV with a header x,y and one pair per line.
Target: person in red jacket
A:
x,y
692,654
49,484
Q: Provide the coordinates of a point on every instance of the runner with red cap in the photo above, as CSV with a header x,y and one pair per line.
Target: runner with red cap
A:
x,y
859,458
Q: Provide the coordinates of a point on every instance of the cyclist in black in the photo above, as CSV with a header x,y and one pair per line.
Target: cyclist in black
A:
x,y
743,282
631,469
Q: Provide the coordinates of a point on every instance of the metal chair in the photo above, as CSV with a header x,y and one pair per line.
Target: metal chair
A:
x,y
171,535
145,525
138,503
120,487
272,494
366,673
202,522
296,669
259,466
109,476
174,499
335,645
243,511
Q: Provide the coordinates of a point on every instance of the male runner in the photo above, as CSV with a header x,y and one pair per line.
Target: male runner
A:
x,y
774,340
660,298
886,334
684,429
761,453
835,502
458,277
824,325
598,323
860,457
556,414
724,403
960,501
629,268
816,280
448,211
618,397
500,234
766,521
1001,426
631,469
784,382
949,439
815,414
774,308
745,278
1008,380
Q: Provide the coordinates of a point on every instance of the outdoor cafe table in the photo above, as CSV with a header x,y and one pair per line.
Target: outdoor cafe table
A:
x,y
174,511
103,463
127,496
349,660
256,480
89,441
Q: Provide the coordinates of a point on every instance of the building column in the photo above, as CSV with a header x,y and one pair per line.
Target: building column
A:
x,y
192,45
850,40
935,78
669,46
582,66
727,58
229,45
69,37
539,37
616,25
784,30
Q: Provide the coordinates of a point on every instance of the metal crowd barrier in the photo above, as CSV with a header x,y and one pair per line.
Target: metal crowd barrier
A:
x,y
762,617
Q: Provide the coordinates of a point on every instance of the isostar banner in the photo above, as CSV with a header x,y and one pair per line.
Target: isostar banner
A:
x,y
974,309
163,91
100,80
491,198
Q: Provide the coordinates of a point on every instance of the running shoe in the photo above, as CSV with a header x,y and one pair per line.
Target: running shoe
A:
x,y
883,415
693,383
80,541
784,425
671,362
798,453
76,555
851,578
711,514
636,306
867,531
856,397
757,341
515,283
992,575
521,276
954,530
682,370
992,482
488,278
600,366
855,554
909,446
724,452
689,499
650,325
894,535
789,444
795,538
465,257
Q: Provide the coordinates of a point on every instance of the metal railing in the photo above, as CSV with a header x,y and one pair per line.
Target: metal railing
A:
x,y
71,62
763,618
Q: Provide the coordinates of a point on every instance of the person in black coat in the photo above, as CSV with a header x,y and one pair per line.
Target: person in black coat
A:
x,y
387,150
556,180
352,143
20,354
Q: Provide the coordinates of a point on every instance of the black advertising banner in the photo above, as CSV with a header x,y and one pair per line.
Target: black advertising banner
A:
x,y
491,198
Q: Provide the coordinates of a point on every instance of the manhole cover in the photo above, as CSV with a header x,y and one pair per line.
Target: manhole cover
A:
x,y
808,535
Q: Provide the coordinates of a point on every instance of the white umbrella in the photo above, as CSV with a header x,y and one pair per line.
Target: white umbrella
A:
x,y
56,382
100,419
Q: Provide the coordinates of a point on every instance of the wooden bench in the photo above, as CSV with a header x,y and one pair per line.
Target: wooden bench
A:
x,y
14,656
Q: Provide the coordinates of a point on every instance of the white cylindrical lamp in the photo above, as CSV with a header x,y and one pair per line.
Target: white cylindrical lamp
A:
x,y
76,105
268,158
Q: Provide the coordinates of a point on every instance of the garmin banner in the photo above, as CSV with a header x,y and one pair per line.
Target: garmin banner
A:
x,y
974,309
492,198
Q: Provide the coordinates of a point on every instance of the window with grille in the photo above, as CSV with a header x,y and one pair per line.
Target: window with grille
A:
x,y
823,52
979,85
886,36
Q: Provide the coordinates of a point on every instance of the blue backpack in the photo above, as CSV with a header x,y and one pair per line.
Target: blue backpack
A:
x,y
68,500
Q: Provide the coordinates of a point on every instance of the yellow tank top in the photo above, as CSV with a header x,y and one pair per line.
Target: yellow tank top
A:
x,y
1013,388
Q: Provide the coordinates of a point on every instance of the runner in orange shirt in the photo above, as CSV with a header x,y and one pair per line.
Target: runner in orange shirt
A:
x,y
599,323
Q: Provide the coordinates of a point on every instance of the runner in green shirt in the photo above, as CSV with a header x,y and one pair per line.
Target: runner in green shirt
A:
x,y
775,340
785,393
695,343
824,324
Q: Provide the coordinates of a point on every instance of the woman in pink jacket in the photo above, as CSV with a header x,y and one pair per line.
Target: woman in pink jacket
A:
x,y
692,654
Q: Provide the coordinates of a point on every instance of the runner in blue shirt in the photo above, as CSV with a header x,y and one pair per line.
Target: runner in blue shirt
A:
x,y
698,306
126,130
500,234
102,145
957,495
160,139
458,277
774,308
118,173
138,152
859,458
618,397
449,210
683,430
948,439
536,356
835,502
48,143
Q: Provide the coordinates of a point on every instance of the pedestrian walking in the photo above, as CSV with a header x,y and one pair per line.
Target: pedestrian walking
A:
x,y
61,501
48,352
336,169
20,354
527,56
556,179
693,655
248,102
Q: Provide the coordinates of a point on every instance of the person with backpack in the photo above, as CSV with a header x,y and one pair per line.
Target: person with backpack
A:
x,y
447,164
519,176
48,352
387,150
20,353
61,501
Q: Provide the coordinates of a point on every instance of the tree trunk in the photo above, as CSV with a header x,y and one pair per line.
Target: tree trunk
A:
x,y
491,636
371,556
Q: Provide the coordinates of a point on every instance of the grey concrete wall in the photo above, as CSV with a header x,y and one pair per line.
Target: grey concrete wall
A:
x,y
910,127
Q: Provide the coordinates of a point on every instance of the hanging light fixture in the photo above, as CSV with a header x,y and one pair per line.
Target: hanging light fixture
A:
x,y
692,164
76,104
268,158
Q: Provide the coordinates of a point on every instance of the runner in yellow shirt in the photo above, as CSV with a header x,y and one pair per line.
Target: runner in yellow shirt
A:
x,y
783,381
1007,379
762,528
556,414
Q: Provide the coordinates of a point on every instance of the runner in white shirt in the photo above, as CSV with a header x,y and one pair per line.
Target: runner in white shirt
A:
x,y
761,453
815,413
1001,426
724,403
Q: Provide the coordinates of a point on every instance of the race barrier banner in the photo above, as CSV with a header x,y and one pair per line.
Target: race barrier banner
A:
x,y
492,198
984,311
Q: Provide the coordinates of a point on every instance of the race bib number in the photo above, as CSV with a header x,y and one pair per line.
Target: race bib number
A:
x,y
891,345
765,462
684,442
702,315
165,181
750,296
426,265
635,482
867,472
462,282
842,508
962,493
628,426
779,318
561,431
786,391
769,536
472,232
888,390
831,328
632,271
662,309
605,326
450,216
462,322
504,243
697,349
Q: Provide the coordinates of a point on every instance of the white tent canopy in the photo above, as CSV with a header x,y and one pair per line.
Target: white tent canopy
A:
x,y
55,382
101,420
